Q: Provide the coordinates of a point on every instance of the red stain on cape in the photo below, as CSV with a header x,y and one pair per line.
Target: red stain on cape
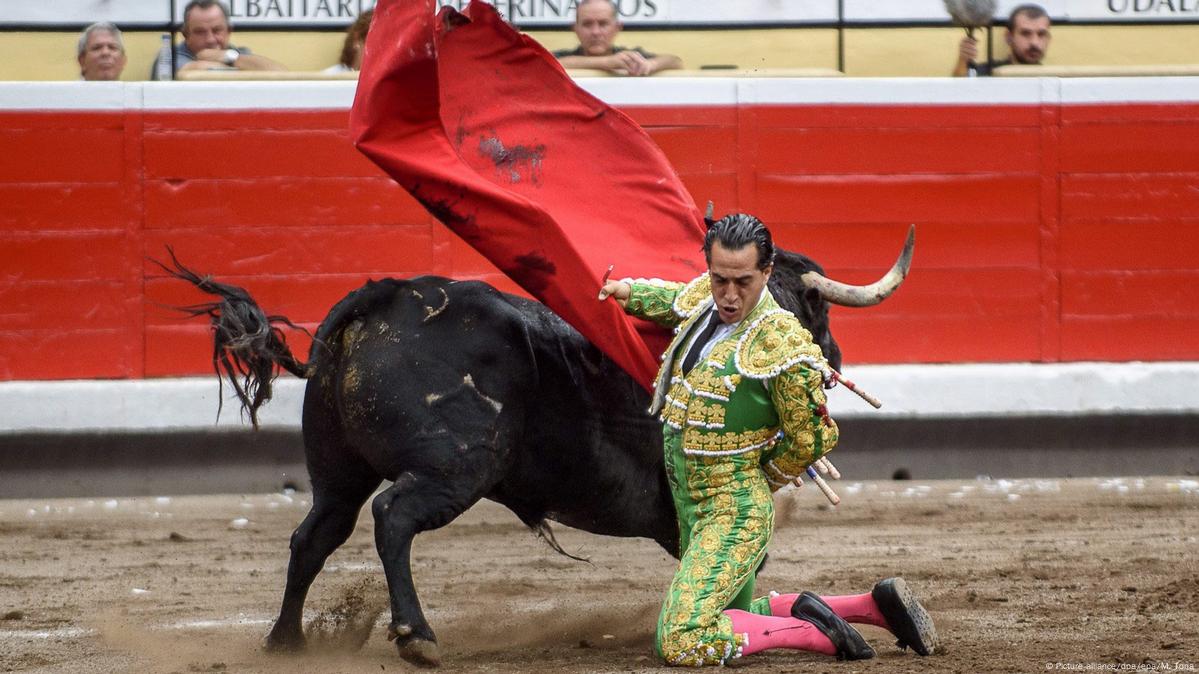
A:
x,y
549,183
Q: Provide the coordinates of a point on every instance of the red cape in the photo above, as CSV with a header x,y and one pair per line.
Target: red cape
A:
x,y
484,127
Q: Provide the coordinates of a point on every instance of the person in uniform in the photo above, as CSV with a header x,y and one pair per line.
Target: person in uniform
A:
x,y
740,396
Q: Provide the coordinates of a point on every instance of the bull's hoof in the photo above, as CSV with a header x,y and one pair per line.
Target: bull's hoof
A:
x,y
280,642
420,652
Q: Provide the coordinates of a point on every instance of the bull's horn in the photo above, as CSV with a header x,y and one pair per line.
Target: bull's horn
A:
x,y
848,295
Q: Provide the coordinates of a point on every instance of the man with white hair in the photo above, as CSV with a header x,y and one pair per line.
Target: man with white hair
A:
x,y
596,24
101,53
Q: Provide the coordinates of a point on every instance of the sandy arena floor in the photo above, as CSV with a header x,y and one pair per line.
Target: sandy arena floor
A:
x,y
1020,576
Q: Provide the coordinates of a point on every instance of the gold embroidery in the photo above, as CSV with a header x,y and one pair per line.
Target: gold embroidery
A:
x,y
773,343
653,300
674,412
744,552
706,382
706,415
693,297
797,396
699,440
730,382
718,557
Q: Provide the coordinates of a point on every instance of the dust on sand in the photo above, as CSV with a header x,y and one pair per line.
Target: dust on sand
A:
x,y
1019,575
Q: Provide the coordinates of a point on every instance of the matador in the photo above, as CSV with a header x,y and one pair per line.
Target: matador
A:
x,y
740,396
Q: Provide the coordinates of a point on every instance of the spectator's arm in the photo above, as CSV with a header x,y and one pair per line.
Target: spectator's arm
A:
x,y
664,62
200,64
215,58
967,54
608,63
628,62
257,62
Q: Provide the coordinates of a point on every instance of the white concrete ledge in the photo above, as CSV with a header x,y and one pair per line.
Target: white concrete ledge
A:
x,y
718,89
1021,389
184,404
907,392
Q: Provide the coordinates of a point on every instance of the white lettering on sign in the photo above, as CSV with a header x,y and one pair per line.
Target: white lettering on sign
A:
x,y
562,12
286,11
1154,7
1130,11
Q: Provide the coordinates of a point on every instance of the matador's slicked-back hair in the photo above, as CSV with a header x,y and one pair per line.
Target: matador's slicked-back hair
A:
x,y
738,230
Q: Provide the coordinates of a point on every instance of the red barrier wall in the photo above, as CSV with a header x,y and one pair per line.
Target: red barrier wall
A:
x,y
1044,232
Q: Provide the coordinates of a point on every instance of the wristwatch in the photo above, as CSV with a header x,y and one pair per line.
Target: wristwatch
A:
x,y
231,56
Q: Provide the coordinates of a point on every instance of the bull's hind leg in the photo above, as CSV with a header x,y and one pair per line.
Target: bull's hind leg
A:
x,y
416,503
335,506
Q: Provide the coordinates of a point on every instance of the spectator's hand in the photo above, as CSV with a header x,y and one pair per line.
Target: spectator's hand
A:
x,y
216,55
968,50
632,63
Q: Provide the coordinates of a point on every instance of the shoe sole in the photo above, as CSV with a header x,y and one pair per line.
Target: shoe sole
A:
x,y
910,623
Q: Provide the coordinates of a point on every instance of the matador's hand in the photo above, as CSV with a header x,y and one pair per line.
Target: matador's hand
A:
x,y
618,290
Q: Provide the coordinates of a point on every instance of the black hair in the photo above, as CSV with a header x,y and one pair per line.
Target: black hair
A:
x,y
1031,10
738,230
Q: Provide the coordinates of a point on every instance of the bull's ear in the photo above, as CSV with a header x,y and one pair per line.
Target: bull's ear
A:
x,y
708,221
812,296
812,301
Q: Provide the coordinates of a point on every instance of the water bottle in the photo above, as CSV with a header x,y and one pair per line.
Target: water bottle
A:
x,y
162,67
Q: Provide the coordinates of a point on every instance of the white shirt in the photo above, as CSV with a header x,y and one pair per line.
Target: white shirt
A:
x,y
723,330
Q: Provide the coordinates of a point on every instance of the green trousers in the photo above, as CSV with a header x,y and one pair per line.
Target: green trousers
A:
x,y
726,517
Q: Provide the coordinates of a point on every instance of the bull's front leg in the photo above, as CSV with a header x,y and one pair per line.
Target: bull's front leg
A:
x,y
413,504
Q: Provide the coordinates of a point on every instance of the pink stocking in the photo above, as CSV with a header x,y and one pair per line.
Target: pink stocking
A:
x,y
853,608
779,632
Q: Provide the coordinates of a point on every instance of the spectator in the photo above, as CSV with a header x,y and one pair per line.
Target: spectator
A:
x,y
351,50
597,24
1027,38
101,53
206,33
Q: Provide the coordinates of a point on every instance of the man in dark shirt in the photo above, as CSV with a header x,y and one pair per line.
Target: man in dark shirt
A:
x,y
1027,38
597,24
206,42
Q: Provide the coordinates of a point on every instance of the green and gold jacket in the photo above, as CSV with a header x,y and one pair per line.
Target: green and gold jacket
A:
x,y
759,390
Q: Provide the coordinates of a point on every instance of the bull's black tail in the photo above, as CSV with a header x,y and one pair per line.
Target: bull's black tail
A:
x,y
248,348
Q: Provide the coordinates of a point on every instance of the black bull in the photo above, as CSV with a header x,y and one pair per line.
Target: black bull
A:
x,y
454,392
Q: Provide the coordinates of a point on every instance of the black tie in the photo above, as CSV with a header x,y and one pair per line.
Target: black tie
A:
x,y
698,344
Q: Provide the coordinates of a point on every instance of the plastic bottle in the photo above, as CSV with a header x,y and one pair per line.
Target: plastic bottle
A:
x,y
162,67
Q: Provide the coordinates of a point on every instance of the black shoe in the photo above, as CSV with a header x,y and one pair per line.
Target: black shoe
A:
x,y
908,620
850,645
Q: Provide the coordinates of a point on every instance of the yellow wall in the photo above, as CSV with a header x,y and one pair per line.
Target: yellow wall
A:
x,y
901,52
869,52
808,48
297,51
1122,45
